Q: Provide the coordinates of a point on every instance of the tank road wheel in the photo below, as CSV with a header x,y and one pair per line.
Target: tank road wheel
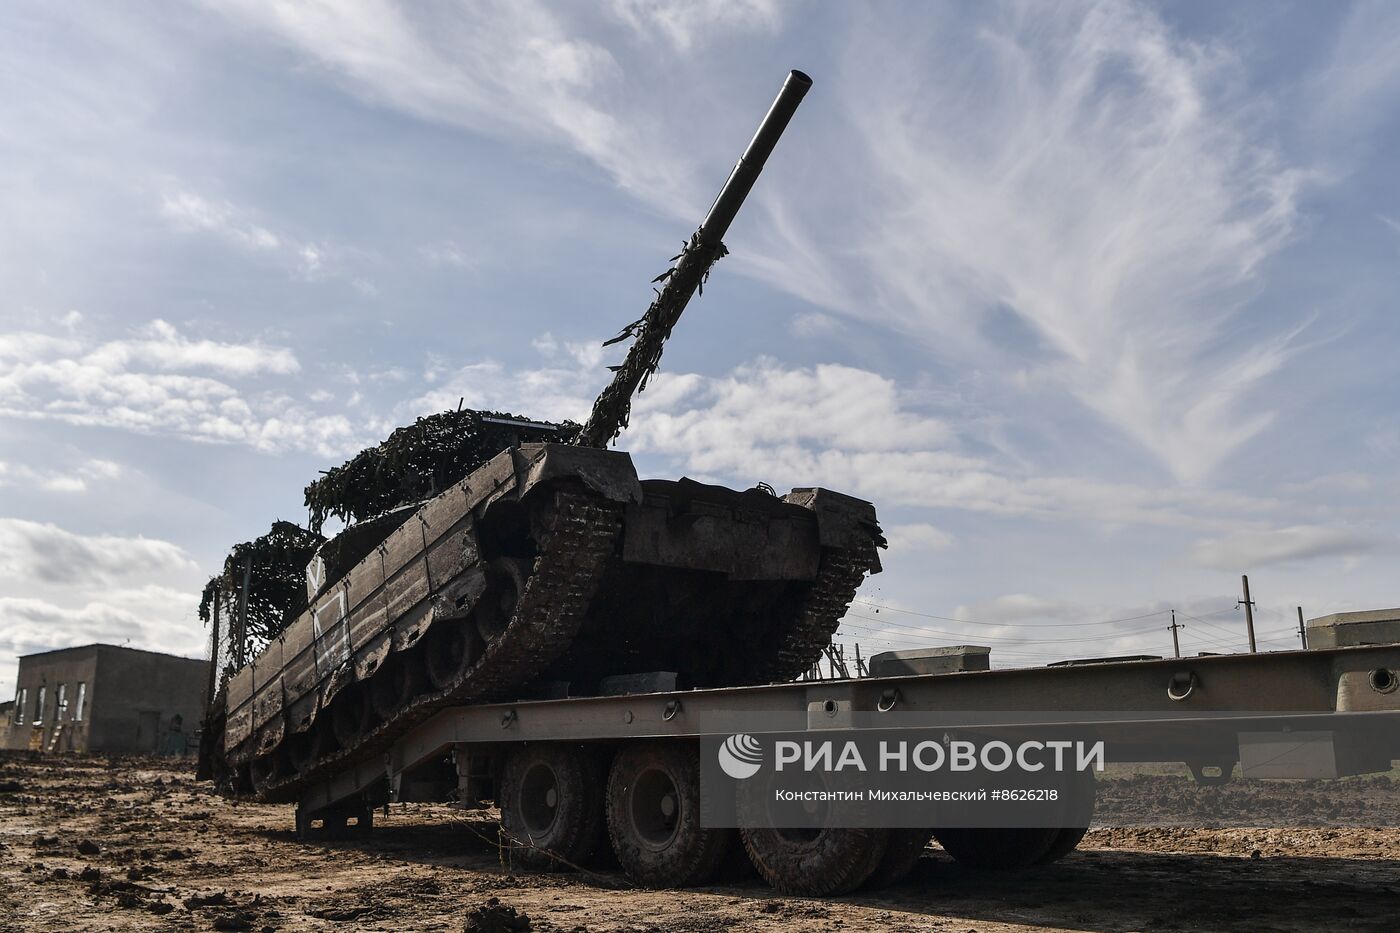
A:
x,y
451,648
552,805
305,748
653,807
264,771
351,715
505,582
815,862
398,680
902,853
996,849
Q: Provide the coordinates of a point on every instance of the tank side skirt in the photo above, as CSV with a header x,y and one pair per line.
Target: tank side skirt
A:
x,y
395,584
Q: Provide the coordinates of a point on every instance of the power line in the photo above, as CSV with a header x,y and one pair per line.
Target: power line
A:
x,y
1018,639
927,615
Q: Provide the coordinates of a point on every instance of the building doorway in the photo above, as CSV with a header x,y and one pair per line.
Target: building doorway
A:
x,y
148,730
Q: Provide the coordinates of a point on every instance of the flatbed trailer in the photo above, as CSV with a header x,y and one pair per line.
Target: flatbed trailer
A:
x,y
561,770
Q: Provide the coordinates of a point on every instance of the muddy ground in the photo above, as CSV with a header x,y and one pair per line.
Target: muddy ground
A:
x,y
98,844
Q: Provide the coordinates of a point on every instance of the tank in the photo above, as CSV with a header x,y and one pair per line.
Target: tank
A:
x,y
550,569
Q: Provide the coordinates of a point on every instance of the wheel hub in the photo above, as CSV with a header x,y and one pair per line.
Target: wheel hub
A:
x,y
539,799
655,805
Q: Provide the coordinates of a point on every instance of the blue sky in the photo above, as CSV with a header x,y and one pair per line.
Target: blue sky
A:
x,y
1097,302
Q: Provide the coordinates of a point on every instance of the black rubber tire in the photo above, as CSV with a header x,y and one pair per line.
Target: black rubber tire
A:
x,y
351,715
1081,799
999,849
832,861
902,853
655,849
571,832
1065,842
449,651
398,680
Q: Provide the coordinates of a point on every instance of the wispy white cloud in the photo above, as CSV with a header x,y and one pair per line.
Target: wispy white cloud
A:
x,y
1354,91
1294,543
154,619
448,253
852,430
42,552
501,67
73,480
160,383
1083,170
832,425
191,212
917,537
1015,607
815,324
162,347
64,588
687,25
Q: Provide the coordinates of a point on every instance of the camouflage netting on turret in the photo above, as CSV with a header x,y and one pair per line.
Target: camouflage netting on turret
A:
x,y
415,463
418,462
277,583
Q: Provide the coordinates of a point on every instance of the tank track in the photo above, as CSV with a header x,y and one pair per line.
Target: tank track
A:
x,y
810,630
580,539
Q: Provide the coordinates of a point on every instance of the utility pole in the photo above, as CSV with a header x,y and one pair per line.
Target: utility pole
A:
x,y
213,654
1176,642
240,647
1302,629
1248,605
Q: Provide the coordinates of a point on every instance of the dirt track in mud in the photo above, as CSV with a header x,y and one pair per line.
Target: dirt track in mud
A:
x,y
93,844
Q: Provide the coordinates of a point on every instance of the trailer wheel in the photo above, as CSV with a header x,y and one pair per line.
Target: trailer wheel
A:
x,y
1082,799
1065,841
902,853
653,809
997,849
351,715
815,862
398,680
552,805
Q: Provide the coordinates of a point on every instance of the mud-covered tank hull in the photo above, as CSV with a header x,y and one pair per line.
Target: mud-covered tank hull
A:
x,y
550,564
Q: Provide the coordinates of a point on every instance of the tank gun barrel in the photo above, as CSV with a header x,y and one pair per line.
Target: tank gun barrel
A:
x,y
692,266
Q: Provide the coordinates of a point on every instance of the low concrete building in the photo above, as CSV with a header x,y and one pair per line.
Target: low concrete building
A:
x,y
1343,629
105,698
